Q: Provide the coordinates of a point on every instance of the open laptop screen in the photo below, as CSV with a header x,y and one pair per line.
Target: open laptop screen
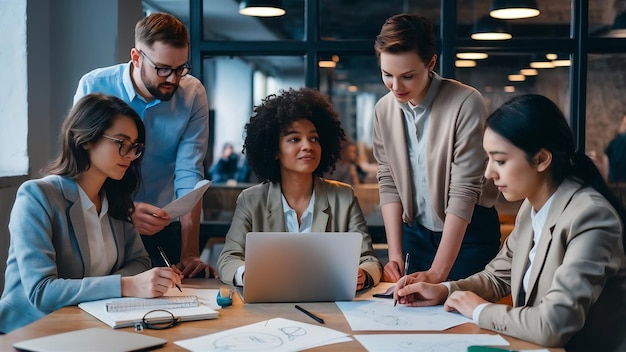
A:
x,y
301,267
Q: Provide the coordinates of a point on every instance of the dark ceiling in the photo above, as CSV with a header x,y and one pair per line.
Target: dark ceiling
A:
x,y
361,20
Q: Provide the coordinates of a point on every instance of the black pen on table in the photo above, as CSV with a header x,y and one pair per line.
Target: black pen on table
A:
x,y
315,317
406,273
167,262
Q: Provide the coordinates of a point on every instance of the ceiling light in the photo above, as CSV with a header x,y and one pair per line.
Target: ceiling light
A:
x,y
261,8
517,78
465,63
472,56
353,88
562,60
529,71
488,28
327,63
551,56
540,61
513,9
509,89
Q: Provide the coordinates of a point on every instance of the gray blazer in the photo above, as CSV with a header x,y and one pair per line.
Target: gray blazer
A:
x,y
48,263
577,289
260,209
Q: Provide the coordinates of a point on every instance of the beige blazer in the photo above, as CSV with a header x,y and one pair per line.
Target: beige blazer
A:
x,y
260,209
455,156
577,290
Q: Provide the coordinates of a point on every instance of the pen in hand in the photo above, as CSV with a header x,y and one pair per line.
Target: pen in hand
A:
x,y
315,317
406,273
167,262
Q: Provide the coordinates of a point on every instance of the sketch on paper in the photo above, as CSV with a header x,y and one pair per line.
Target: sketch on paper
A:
x,y
257,341
276,334
382,315
247,342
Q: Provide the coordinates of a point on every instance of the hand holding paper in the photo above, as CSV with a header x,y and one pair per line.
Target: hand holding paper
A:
x,y
184,204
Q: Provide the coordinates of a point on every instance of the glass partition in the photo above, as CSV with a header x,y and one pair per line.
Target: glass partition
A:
x,y
606,79
235,84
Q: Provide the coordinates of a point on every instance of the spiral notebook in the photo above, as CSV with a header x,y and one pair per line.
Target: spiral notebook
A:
x,y
125,317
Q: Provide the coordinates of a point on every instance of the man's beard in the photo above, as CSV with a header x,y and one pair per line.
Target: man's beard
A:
x,y
154,90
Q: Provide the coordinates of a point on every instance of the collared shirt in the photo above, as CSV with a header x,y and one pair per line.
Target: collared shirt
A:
x,y
538,219
291,218
177,131
416,131
291,222
102,248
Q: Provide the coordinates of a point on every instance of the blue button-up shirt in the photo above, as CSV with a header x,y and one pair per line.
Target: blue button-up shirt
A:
x,y
177,131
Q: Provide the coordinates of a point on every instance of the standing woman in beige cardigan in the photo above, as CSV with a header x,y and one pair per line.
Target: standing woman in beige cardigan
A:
x,y
427,141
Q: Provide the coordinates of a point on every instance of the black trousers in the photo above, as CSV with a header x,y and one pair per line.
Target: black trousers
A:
x,y
480,244
169,239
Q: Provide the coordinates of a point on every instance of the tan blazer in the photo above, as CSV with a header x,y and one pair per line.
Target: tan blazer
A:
x,y
578,276
260,209
455,156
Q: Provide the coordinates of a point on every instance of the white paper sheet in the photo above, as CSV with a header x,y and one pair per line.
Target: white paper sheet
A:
x,y
276,334
428,342
184,204
382,315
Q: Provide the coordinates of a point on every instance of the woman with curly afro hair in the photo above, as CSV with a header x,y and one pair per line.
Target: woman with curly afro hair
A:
x,y
291,140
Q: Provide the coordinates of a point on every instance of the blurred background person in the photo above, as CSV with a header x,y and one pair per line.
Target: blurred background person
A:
x,y
226,167
346,169
615,155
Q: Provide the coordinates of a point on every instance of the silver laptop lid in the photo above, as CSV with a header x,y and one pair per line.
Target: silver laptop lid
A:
x,y
301,267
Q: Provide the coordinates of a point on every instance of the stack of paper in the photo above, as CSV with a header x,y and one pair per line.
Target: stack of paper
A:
x,y
276,334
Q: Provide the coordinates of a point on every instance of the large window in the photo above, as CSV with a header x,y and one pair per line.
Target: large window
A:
x,y
573,36
13,93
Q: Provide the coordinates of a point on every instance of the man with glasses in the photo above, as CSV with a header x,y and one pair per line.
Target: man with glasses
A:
x,y
174,108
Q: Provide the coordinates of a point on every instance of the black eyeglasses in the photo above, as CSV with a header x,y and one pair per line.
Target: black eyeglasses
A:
x,y
157,319
167,71
126,146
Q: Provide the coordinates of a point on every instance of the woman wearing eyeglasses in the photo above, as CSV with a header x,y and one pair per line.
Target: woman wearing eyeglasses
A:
x,y
71,238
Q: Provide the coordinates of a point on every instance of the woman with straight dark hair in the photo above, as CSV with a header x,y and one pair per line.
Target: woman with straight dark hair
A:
x,y
564,262
71,237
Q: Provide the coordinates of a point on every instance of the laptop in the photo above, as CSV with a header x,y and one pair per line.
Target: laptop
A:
x,y
94,339
301,267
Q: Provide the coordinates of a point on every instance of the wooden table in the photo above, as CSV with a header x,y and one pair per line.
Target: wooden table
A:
x,y
73,318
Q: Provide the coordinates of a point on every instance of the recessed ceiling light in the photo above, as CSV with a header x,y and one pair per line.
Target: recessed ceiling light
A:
x,y
517,78
529,71
509,89
465,63
472,56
